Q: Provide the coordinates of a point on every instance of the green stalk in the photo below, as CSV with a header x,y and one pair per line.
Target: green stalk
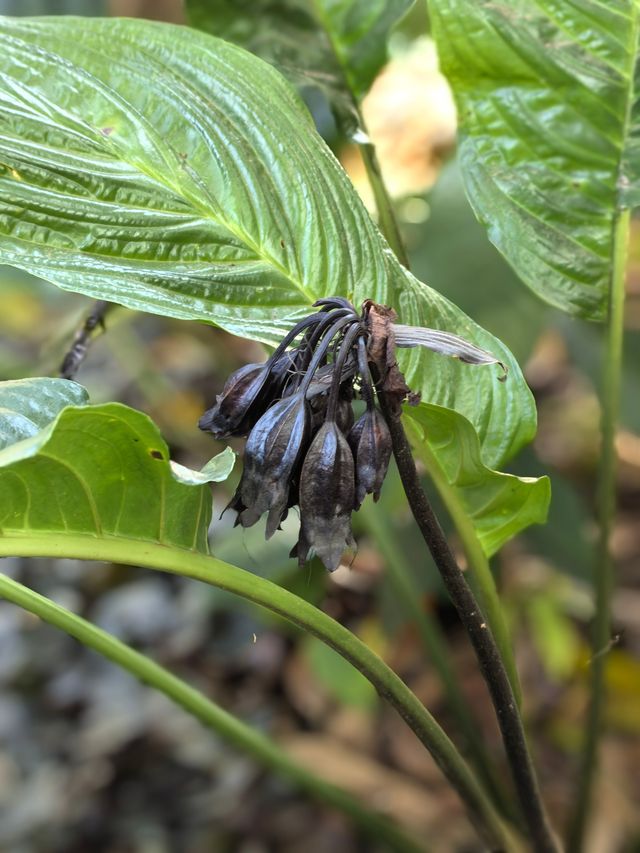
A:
x,y
435,648
606,497
480,578
195,703
297,611
386,215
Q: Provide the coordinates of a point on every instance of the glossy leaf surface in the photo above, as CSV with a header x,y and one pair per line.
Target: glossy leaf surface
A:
x,y
103,471
28,405
547,94
206,194
499,505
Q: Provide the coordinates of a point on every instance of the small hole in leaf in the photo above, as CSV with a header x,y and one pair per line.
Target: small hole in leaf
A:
x,y
156,454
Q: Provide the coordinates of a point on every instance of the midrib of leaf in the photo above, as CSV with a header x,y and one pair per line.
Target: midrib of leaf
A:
x,y
205,212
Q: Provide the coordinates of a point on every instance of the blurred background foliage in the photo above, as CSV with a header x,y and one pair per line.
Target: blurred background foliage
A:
x,y
92,760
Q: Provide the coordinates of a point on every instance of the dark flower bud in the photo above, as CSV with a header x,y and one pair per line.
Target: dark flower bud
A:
x,y
284,367
272,457
344,409
318,406
238,407
370,442
327,487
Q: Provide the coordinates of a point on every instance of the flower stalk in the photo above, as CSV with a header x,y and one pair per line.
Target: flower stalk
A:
x,y
487,653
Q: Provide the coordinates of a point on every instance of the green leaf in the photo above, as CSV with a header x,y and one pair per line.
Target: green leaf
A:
x,y
207,194
547,94
103,471
500,505
215,471
337,46
28,405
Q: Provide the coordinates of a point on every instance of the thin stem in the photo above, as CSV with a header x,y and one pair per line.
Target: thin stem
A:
x,y
321,350
480,578
83,338
366,388
435,648
491,665
604,569
386,215
345,349
298,612
195,703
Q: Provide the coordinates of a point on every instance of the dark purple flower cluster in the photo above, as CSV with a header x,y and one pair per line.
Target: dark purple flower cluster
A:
x,y
303,446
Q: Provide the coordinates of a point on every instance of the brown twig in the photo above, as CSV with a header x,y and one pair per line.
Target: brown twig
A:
x,y
82,339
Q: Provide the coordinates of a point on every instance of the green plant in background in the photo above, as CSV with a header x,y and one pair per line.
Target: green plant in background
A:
x,y
207,195
548,100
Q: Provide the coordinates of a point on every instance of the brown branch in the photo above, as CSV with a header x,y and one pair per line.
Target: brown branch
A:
x,y
83,338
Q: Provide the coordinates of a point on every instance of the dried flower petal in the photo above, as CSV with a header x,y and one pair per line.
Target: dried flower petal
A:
x,y
327,487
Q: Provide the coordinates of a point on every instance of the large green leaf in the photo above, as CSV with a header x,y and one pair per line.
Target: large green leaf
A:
x,y
547,93
103,471
336,45
206,194
28,405
499,505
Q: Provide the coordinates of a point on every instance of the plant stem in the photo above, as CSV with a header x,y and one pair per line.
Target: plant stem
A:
x,y
481,578
606,498
435,647
491,665
298,612
386,215
83,337
226,725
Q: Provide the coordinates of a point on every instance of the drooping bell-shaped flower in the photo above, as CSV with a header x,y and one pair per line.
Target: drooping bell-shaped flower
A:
x,y
272,458
249,391
370,442
238,407
297,409
327,489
